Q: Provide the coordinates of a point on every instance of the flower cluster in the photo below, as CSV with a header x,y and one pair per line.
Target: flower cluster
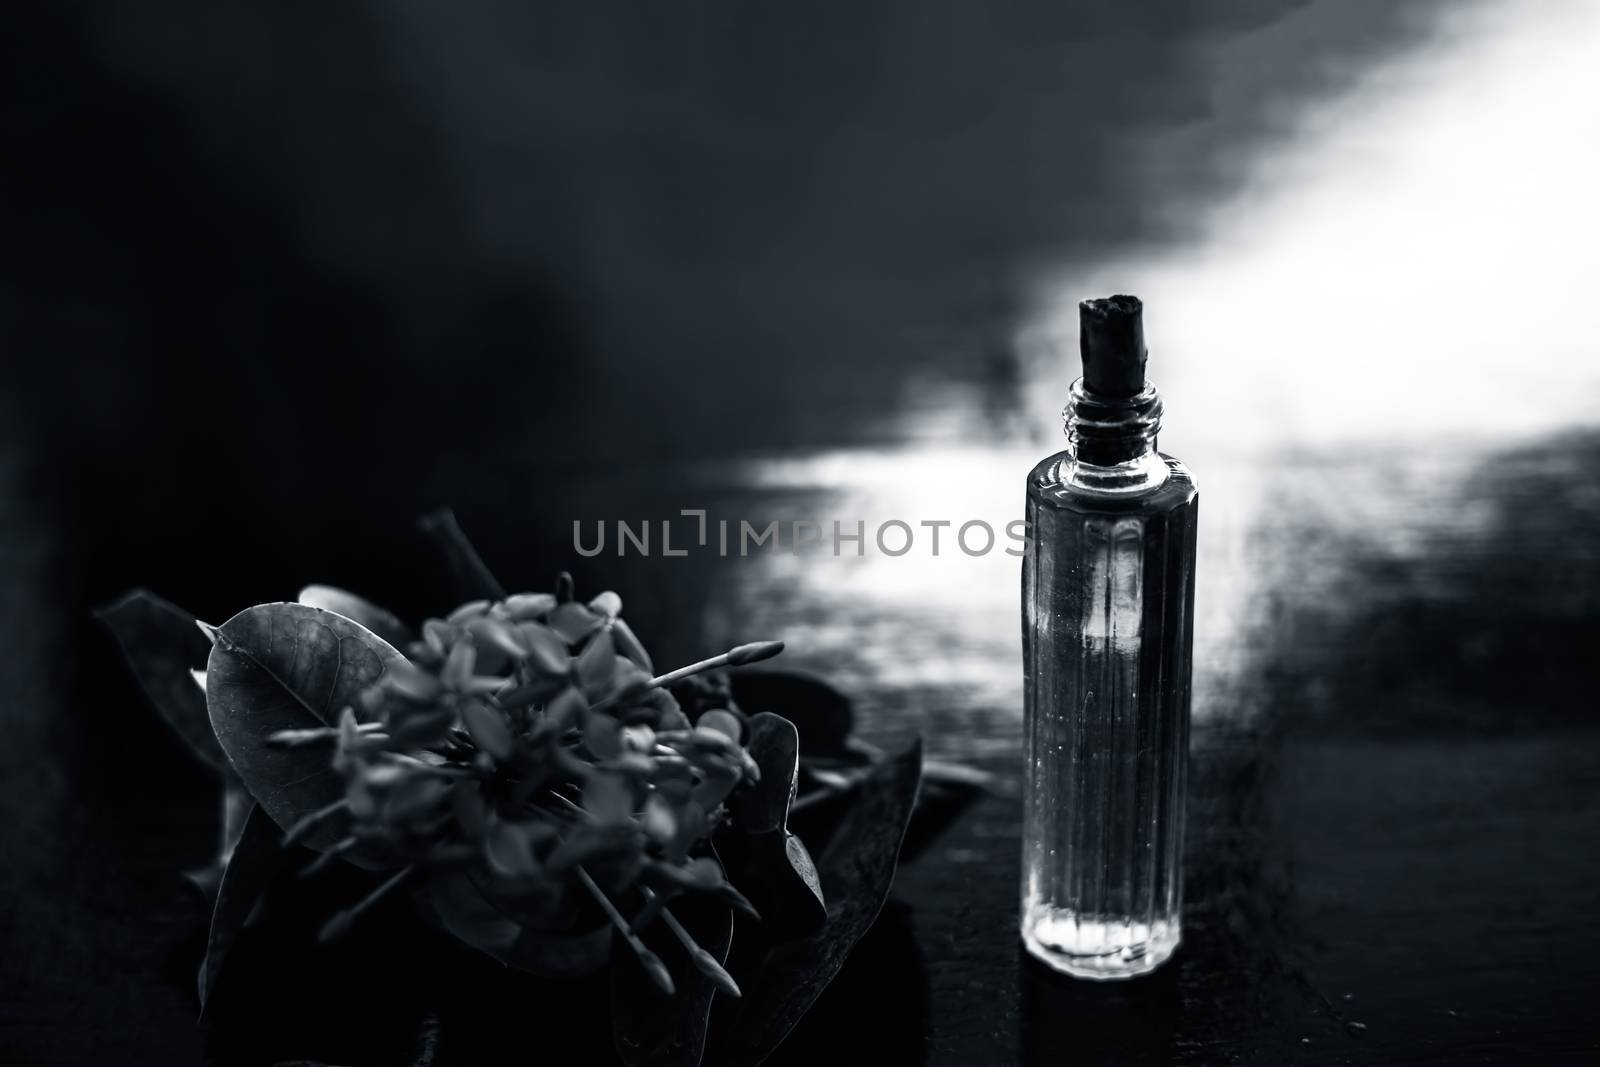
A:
x,y
523,754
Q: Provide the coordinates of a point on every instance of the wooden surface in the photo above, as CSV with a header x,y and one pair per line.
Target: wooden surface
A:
x,y
1392,820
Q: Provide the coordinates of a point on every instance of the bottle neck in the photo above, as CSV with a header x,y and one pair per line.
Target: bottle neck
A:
x,y
1112,441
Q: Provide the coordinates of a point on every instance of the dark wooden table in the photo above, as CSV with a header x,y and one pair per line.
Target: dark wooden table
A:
x,y
1391,854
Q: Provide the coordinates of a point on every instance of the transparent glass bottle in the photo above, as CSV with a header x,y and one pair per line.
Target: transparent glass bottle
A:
x,y
1108,610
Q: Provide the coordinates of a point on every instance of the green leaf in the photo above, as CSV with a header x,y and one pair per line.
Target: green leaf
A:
x,y
379,620
461,907
773,865
782,981
163,645
509,850
469,578
775,746
776,871
257,860
290,667
653,1030
465,912
560,953
800,862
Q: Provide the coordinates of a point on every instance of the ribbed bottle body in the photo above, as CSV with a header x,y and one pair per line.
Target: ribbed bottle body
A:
x,y
1108,608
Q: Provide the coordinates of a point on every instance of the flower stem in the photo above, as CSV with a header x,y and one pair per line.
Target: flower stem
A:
x,y
309,822
734,657
704,962
652,963
340,924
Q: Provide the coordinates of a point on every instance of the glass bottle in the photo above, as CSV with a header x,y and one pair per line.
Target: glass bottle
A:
x,y
1108,612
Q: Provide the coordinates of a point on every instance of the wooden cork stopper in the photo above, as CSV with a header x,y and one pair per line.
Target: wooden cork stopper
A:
x,y
1111,340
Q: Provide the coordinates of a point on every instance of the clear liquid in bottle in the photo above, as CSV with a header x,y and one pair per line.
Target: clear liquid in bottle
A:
x,y
1108,607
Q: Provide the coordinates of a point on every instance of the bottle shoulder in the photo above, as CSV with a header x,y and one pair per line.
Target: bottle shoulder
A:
x,y
1050,483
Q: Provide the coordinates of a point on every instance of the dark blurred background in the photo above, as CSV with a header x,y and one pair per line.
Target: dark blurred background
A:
x,y
276,280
